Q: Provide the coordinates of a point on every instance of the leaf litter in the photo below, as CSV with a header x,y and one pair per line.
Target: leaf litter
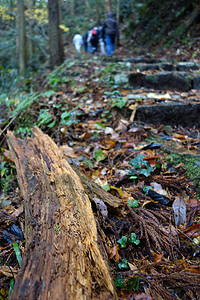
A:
x,y
157,221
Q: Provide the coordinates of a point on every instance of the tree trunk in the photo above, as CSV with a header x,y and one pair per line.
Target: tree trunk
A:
x,y
62,260
30,40
107,6
55,39
21,43
98,13
117,11
72,8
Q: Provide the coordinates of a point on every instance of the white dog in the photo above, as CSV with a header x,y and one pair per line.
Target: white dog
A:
x,y
78,42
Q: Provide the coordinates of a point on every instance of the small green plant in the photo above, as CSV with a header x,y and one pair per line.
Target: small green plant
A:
x,y
119,102
133,239
45,118
146,189
123,264
123,241
70,117
131,284
17,253
98,155
133,203
89,163
106,115
7,173
141,167
57,229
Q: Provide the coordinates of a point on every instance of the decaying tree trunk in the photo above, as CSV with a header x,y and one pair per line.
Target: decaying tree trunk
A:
x,y
63,259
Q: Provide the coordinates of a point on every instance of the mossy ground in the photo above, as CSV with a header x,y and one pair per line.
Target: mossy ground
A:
x,y
191,163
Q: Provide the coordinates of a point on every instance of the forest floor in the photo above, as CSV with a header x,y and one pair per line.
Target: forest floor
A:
x,y
152,240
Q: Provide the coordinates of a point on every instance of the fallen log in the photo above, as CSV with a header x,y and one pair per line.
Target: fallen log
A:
x,y
62,258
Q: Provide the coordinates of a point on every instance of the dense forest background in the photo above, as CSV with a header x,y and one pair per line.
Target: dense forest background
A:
x,y
151,24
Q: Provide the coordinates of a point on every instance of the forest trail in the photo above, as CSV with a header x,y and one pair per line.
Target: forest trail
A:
x,y
150,240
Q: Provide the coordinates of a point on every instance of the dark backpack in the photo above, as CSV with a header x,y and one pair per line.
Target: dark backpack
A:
x,y
94,37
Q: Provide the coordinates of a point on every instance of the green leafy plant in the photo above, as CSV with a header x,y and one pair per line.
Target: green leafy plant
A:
x,y
70,117
133,203
119,102
146,189
98,155
123,241
17,253
131,284
141,167
7,173
45,118
133,239
123,264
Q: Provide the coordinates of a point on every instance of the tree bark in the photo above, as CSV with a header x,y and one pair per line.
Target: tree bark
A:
x,y
62,259
30,40
72,8
55,38
107,6
21,43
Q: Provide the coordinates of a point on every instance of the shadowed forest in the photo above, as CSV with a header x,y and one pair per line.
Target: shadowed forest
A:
x,y
100,149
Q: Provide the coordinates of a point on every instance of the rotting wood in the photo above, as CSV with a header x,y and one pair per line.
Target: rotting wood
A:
x,y
62,259
94,190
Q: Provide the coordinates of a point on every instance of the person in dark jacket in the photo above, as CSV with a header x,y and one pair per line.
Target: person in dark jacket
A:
x,y
111,32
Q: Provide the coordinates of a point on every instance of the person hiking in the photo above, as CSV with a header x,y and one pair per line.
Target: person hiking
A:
x,y
111,32
101,40
89,45
94,40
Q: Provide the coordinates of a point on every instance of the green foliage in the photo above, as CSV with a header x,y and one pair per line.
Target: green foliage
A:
x,y
119,102
70,117
133,239
7,174
141,167
146,189
190,163
123,241
123,264
89,163
12,282
106,187
118,281
132,284
45,118
24,101
17,253
98,155
133,203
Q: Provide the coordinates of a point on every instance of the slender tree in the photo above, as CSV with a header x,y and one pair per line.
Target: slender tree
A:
x,y
107,6
55,37
98,12
21,37
72,8
31,46
117,10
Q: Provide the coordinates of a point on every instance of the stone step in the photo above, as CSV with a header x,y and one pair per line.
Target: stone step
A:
x,y
180,81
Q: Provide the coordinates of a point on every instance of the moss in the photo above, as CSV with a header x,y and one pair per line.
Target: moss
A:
x,y
191,163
